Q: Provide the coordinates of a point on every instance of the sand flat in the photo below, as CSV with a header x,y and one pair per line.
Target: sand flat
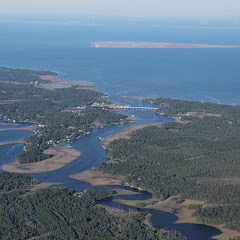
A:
x,y
63,156
97,178
155,45
64,83
31,128
127,132
12,142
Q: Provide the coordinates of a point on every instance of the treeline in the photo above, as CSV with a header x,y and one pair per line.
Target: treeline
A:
x,y
11,181
62,213
176,106
219,215
23,75
198,159
62,114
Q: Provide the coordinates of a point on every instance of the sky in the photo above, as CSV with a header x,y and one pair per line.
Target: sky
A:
x,y
124,7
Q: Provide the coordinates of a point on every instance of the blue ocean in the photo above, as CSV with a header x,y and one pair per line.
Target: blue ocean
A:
x,y
195,74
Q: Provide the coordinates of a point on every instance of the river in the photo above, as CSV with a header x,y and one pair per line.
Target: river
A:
x,y
93,154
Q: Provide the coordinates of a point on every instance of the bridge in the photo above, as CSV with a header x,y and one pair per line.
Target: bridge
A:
x,y
135,108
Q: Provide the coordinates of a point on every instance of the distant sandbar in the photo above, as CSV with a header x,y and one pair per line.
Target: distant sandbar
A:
x,y
155,45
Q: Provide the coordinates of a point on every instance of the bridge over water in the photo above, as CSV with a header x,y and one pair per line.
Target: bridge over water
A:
x,y
135,108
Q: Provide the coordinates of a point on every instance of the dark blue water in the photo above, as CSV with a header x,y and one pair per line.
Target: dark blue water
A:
x,y
196,74
13,135
166,220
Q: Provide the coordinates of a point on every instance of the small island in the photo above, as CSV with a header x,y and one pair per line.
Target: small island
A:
x,y
155,45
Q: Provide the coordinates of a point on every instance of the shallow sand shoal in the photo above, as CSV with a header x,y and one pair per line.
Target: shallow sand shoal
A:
x,y
97,178
63,156
43,185
127,132
56,80
12,142
31,128
109,44
120,191
167,205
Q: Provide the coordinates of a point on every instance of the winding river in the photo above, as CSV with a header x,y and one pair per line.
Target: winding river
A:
x,y
203,75
93,154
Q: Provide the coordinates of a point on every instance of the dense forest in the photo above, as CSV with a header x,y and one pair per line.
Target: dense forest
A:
x,y
23,75
196,159
63,213
60,114
177,106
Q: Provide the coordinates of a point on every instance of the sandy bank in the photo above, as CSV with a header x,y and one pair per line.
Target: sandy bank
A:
x,y
12,142
167,205
64,83
184,214
126,132
155,45
43,185
97,178
31,128
63,156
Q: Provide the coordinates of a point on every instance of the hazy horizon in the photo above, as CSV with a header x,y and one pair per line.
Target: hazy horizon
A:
x,y
143,8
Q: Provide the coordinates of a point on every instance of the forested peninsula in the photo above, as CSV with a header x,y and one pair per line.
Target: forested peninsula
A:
x,y
197,157
29,212
61,114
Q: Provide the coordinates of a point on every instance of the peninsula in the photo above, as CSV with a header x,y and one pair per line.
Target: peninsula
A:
x,y
155,45
62,115
190,166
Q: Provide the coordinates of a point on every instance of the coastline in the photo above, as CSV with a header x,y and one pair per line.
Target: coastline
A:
x,y
64,83
98,180
109,44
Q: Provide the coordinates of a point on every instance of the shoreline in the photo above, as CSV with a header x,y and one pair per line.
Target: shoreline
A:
x,y
62,156
109,44
183,213
181,210
64,83
12,142
31,128
125,133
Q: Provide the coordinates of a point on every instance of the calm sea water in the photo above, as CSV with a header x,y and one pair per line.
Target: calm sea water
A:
x,y
195,74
